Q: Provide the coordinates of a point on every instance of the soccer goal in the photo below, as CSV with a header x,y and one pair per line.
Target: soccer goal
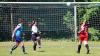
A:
x,y
55,19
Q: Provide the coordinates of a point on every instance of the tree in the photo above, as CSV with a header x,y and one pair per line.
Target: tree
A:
x,y
69,21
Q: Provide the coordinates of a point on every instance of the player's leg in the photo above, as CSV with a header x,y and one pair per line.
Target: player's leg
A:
x,y
39,41
14,47
80,43
23,47
79,46
86,45
34,39
34,46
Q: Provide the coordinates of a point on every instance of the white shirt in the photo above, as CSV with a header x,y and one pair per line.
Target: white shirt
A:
x,y
34,29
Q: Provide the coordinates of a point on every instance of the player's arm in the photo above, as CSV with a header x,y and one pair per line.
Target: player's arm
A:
x,y
79,31
17,27
30,24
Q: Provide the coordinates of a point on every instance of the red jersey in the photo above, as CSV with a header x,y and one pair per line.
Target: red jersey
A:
x,y
84,33
84,29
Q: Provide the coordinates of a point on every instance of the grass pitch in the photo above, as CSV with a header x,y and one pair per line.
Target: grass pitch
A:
x,y
51,48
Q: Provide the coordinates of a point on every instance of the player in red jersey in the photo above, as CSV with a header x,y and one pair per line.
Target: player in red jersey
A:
x,y
83,36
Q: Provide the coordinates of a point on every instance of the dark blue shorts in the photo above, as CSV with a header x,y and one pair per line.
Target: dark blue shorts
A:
x,y
34,37
19,39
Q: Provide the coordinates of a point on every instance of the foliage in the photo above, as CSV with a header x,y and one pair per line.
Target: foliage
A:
x,y
89,11
69,23
95,34
69,20
84,13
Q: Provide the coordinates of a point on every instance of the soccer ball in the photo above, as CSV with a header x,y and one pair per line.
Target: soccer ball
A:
x,y
68,3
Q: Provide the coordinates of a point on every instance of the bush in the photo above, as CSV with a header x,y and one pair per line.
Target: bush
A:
x,y
94,34
95,38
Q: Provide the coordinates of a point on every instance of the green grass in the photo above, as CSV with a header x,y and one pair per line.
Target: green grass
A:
x,y
51,48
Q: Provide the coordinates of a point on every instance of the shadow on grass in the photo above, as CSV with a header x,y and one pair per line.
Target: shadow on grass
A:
x,y
41,51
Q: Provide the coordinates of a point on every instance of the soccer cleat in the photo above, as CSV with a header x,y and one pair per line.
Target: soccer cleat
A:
x,y
88,51
34,48
78,52
11,52
39,46
79,48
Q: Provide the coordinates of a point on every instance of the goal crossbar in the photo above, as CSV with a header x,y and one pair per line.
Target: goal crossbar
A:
x,y
49,2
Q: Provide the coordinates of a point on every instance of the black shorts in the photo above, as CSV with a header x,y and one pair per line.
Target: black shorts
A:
x,y
34,36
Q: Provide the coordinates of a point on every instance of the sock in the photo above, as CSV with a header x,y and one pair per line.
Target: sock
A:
x,y
87,47
23,48
79,48
34,46
14,47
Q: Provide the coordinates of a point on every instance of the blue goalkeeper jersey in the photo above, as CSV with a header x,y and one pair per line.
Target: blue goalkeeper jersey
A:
x,y
19,31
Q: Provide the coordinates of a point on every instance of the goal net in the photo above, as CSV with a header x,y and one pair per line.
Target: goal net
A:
x,y
55,19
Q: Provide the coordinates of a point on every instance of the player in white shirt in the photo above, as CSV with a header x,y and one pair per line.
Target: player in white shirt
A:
x,y
35,35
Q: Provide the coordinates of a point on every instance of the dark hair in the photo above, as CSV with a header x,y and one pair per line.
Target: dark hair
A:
x,y
20,20
33,22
